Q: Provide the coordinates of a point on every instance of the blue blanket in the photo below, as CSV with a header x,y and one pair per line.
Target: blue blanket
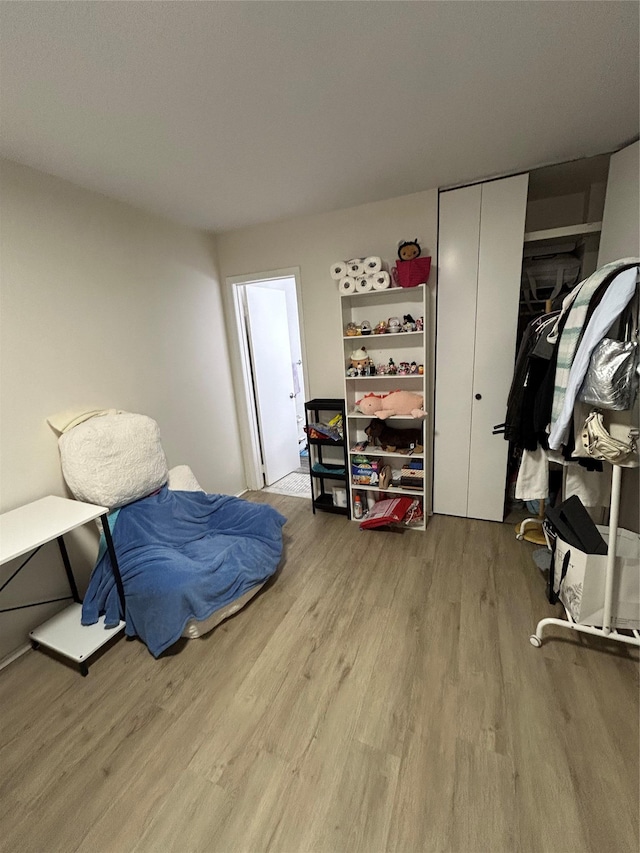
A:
x,y
182,555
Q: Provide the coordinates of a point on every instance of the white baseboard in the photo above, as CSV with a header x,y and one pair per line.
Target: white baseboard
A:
x,y
14,655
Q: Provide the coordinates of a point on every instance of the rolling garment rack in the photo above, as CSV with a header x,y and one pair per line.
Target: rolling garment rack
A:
x,y
607,630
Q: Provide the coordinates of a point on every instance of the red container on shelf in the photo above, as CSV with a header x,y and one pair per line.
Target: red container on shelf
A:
x,y
411,273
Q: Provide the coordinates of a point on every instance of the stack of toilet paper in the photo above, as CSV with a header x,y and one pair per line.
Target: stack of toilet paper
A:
x,y
360,275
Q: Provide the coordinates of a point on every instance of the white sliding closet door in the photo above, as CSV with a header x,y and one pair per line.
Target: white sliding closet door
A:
x,y
458,240
481,234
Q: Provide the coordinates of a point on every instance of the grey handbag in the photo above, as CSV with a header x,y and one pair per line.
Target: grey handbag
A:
x,y
611,381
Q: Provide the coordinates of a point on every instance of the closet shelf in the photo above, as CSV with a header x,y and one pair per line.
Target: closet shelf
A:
x,y
564,231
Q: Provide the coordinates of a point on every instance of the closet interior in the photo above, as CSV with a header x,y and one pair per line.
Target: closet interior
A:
x,y
563,221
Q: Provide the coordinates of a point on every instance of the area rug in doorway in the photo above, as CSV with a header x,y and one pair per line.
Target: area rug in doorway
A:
x,y
295,484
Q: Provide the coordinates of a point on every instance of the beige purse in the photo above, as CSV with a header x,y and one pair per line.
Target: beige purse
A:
x,y
599,444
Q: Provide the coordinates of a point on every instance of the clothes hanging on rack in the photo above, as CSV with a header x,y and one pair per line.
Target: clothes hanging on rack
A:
x,y
577,318
543,412
619,293
530,370
591,485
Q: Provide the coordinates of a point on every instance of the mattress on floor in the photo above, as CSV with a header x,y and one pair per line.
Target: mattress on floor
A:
x,y
194,629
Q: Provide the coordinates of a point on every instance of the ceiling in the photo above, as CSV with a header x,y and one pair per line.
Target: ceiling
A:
x,y
225,114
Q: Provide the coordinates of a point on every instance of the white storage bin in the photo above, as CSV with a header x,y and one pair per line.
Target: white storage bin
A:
x,y
339,496
582,589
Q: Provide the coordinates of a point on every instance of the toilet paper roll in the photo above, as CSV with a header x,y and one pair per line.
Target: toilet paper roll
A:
x,y
364,283
381,280
355,268
347,284
373,264
339,270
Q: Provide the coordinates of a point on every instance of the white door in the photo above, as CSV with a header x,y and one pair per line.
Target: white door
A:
x,y
458,230
268,332
480,242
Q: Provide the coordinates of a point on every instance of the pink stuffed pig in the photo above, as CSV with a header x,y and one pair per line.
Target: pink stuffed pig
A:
x,y
395,403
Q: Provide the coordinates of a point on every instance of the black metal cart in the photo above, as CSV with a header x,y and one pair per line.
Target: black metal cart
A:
x,y
324,466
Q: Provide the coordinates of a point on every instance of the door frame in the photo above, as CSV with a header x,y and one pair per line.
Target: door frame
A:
x,y
241,367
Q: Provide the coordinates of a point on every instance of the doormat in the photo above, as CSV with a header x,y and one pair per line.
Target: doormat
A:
x,y
295,484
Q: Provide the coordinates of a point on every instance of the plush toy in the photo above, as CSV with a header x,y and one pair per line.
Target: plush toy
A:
x,y
359,357
394,439
408,250
395,403
410,270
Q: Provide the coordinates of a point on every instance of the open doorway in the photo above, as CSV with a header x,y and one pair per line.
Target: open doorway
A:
x,y
267,313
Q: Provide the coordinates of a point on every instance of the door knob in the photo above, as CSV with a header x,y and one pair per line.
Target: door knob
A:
x,y
478,396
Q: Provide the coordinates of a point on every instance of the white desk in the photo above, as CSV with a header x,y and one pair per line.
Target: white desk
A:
x,y
25,530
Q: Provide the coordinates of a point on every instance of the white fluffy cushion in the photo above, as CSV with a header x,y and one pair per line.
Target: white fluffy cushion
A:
x,y
182,479
114,459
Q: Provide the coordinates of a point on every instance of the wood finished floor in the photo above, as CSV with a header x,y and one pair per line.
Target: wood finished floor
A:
x,y
380,695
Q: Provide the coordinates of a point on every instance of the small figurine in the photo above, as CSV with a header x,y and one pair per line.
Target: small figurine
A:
x,y
359,360
381,369
419,324
421,369
381,328
365,327
413,370
351,330
394,325
403,368
409,324
391,368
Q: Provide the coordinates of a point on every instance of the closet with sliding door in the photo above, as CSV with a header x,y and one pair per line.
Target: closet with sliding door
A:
x,y
508,250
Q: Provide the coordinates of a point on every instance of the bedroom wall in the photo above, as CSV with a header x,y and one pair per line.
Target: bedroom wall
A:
x,y
102,306
312,244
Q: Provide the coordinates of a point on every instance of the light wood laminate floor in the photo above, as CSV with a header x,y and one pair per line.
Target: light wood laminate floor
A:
x,y
380,695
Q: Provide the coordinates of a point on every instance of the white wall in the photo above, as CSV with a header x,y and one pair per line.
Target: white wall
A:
x,y
313,243
105,306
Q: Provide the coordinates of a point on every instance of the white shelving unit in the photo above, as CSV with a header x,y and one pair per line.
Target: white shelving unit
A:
x,y
409,347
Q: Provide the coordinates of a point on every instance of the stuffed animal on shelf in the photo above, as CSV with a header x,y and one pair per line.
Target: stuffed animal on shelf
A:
x,y
410,269
384,406
394,439
408,250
